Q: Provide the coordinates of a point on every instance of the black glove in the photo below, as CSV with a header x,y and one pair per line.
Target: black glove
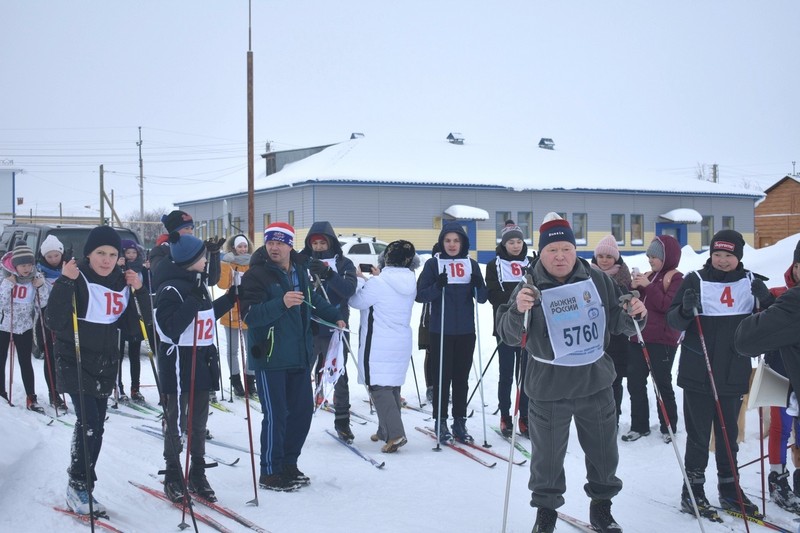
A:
x,y
759,290
690,301
233,291
441,280
319,268
213,245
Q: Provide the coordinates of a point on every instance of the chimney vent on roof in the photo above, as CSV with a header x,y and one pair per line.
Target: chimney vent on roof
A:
x,y
547,143
455,138
356,135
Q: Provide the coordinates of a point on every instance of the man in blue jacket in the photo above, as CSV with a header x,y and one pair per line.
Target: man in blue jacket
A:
x,y
277,304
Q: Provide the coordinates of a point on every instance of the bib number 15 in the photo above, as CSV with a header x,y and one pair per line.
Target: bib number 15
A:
x,y
575,335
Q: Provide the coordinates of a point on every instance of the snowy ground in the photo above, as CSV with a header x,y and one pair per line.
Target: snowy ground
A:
x,y
418,490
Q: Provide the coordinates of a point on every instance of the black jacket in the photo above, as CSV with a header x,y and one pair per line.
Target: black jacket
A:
x,y
99,344
499,293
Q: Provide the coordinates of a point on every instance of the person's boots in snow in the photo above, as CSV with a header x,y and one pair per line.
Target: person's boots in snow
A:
x,y
236,383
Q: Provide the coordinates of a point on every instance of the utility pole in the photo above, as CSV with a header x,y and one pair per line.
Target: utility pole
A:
x,y
250,146
102,194
141,189
715,173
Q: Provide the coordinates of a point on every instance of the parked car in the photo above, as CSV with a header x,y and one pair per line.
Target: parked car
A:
x,y
362,249
72,236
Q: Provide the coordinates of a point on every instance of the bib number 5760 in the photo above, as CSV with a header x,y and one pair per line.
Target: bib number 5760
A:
x,y
576,334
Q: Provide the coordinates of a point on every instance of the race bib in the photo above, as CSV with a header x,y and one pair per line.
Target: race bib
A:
x,y
202,329
105,305
722,299
576,323
509,271
23,293
459,271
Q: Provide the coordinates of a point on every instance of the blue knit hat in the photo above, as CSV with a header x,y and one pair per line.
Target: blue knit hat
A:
x,y
185,250
554,229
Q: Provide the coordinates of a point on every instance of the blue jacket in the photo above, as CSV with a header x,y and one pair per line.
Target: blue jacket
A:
x,y
459,308
279,338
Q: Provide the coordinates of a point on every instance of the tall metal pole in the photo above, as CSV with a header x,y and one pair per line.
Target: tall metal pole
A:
x,y
141,190
102,200
250,145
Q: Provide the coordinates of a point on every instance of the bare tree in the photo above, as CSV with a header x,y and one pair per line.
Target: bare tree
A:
x,y
148,229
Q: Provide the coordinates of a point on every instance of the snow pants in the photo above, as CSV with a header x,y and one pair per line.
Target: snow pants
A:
x,y
287,403
23,345
699,411
172,434
548,425
513,363
662,357
455,366
93,419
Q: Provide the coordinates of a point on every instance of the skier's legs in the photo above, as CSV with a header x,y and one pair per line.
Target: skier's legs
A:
x,y
549,432
596,424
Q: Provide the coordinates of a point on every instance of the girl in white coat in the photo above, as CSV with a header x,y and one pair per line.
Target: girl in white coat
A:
x,y
385,301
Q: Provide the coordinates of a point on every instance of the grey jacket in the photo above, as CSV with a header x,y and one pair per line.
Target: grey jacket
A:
x,y
547,382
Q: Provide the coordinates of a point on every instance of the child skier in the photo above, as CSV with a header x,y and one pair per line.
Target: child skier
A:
x,y
188,362
50,260
132,259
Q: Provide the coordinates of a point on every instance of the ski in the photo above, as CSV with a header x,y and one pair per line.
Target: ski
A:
x,y
355,450
130,415
456,447
418,409
358,418
517,445
157,434
217,405
100,522
490,452
59,418
156,410
179,505
578,524
760,521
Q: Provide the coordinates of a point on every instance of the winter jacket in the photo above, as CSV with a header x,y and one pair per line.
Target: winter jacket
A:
x,y
658,300
27,300
617,347
137,265
342,283
232,265
459,316
279,338
160,253
498,289
385,346
176,310
548,382
731,372
773,357
99,343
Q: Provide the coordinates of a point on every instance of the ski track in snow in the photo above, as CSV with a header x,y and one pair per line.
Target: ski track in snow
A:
x,y
418,490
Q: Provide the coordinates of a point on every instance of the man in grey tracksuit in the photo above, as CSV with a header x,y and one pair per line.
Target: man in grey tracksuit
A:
x,y
573,310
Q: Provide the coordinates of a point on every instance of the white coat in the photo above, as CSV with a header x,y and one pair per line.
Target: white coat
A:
x,y
385,345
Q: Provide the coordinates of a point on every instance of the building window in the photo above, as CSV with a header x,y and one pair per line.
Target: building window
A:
x,y
706,231
291,218
500,218
637,230
727,222
267,220
221,226
579,221
211,228
525,222
237,225
618,228
437,222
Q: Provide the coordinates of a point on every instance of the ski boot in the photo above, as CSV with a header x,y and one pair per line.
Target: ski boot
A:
x,y
122,396
729,499
59,405
136,396
506,425
236,384
32,405
212,397
703,506
78,499
173,483
342,426
634,435
545,520
278,482
292,473
523,427
460,431
445,437
600,517
251,386
781,493
198,483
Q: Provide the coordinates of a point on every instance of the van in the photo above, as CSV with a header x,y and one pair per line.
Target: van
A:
x,y
72,236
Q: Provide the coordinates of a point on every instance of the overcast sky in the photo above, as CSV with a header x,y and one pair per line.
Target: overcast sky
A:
x,y
650,88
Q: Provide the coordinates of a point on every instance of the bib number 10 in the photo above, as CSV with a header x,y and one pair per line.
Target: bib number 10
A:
x,y
575,335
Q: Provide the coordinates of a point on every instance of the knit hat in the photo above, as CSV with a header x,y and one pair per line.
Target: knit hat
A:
x,y
177,220
554,229
101,236
240,239
510,231
399,253
656,249
318,236
728,240
607,246
797,253
51,244
128,244
281,232
22,255
185,250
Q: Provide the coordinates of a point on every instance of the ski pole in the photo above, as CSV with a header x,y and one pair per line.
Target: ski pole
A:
x,y
81,401
416,383
480,364
438,416
48,363
482,374
190,410
662,405
11,347
721,419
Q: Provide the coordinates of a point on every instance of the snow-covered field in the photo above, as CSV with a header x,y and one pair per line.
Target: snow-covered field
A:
x,y
417,491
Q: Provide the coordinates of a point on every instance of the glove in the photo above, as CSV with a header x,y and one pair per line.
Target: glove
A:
x,y
441,280
213,245
690,301
759,290
233,291
319,268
